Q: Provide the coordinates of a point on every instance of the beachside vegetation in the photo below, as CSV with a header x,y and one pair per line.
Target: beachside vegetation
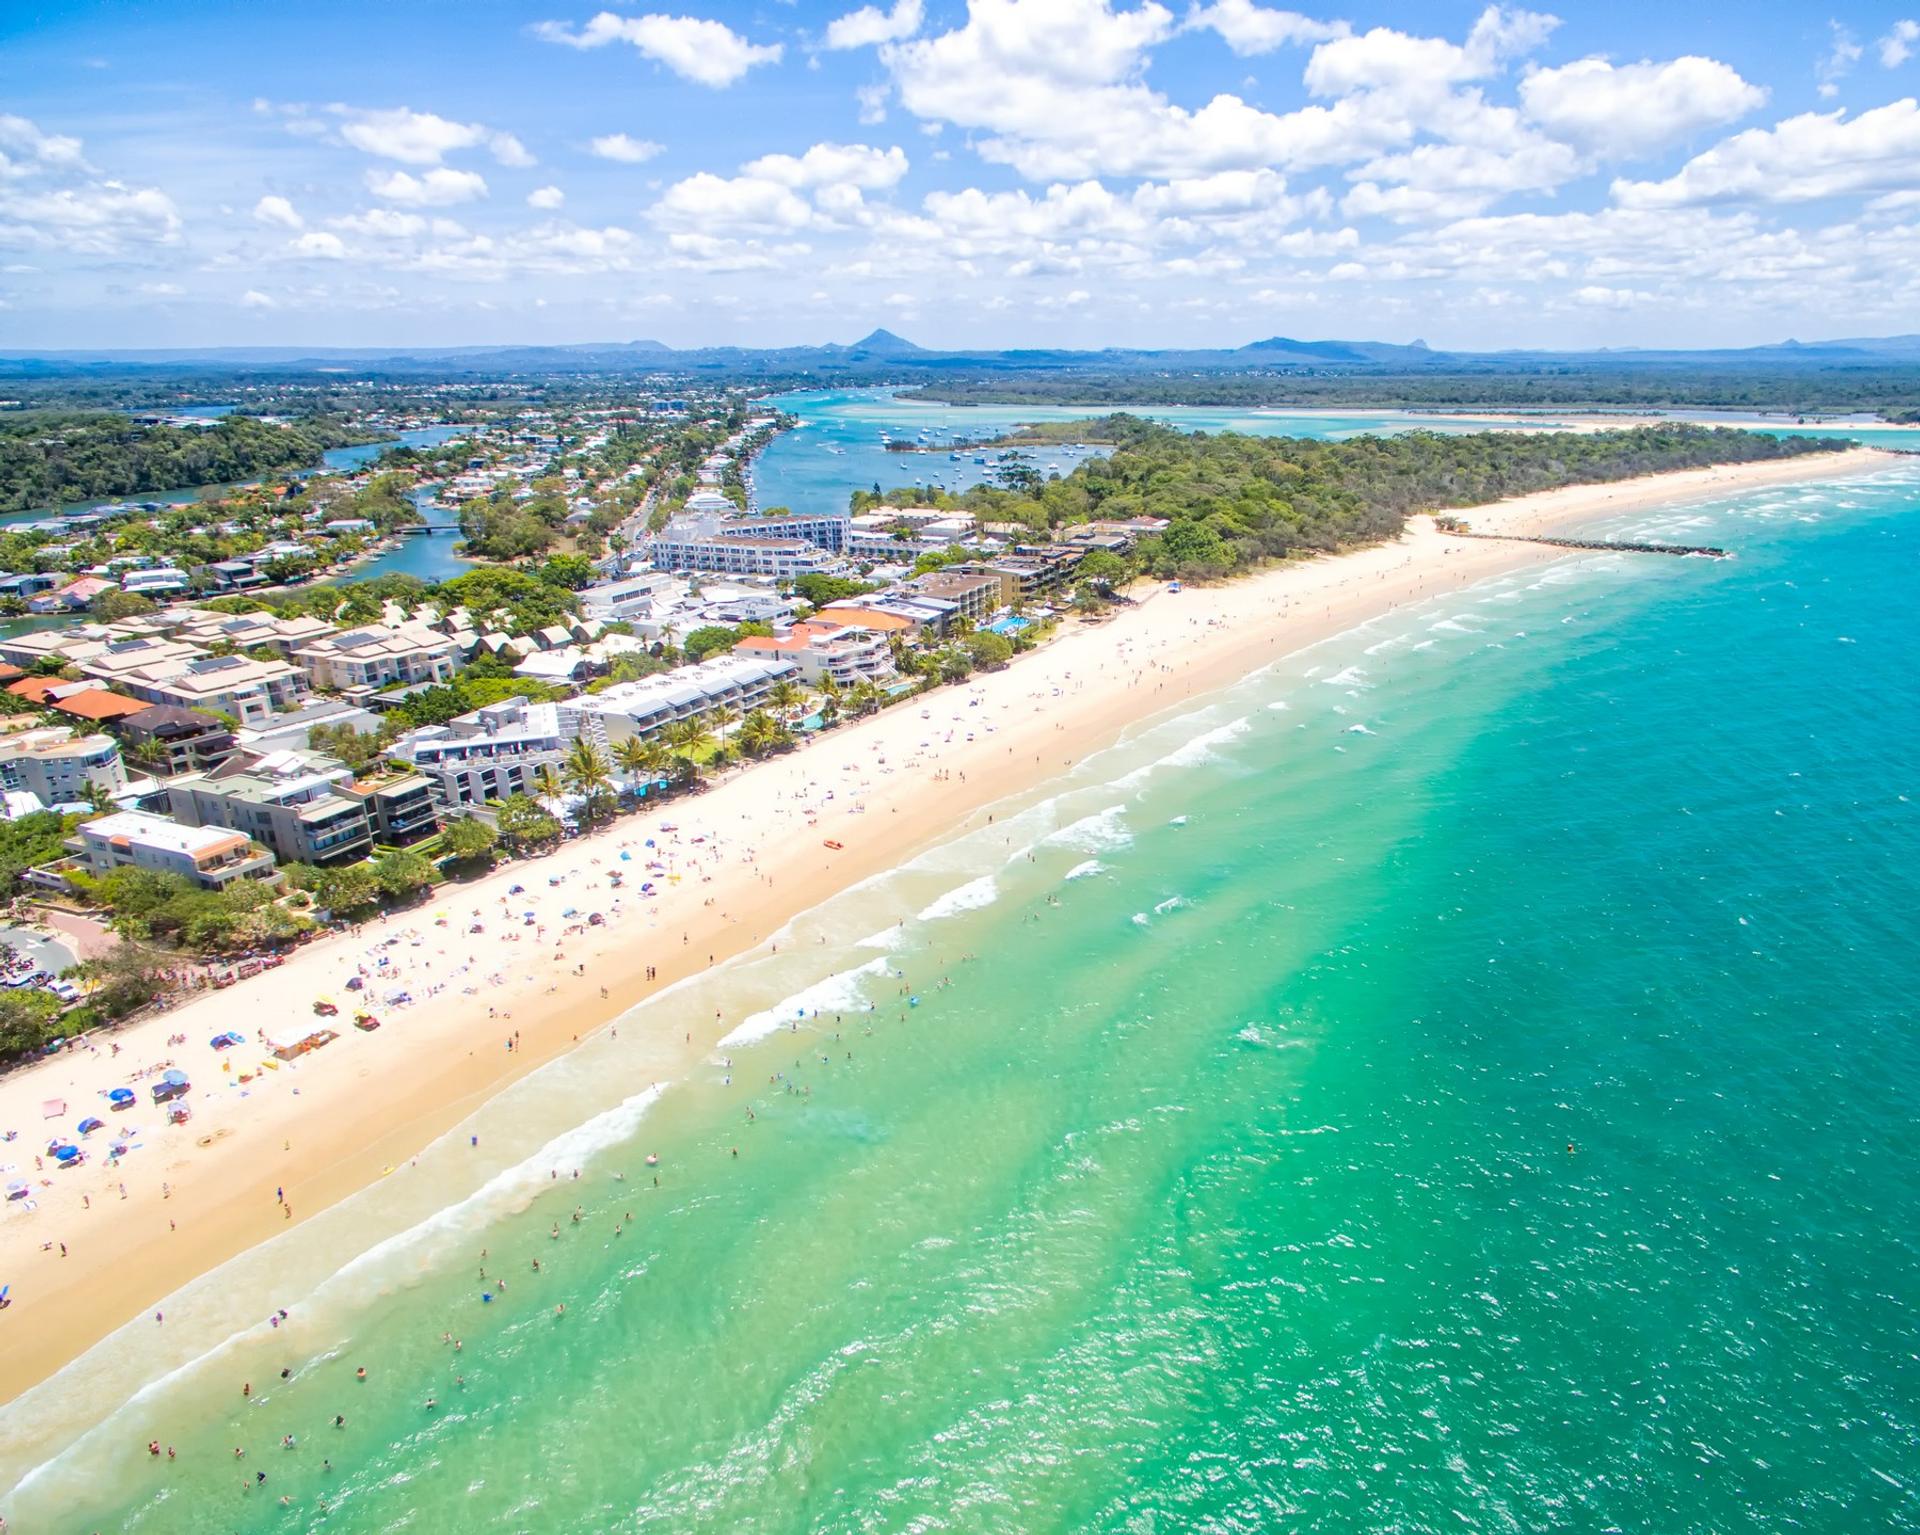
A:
x,y
1232,501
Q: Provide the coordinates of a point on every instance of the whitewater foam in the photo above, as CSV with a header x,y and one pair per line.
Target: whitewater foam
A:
x,y
1083,870
1101,832
971,896
839,992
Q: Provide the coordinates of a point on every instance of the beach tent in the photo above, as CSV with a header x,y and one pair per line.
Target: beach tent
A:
x,y
17,1190
90,1124
53,1108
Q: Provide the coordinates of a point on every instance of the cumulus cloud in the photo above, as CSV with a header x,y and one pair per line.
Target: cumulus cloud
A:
x,y
1843,52
624,148
1250,29
253,298
382,224
50,199
1897,46
273,209
870,25
706,52
440,188
857,165
318,245
26,151
1633,109
1060,89
1814,155
745,202
546,198
422,138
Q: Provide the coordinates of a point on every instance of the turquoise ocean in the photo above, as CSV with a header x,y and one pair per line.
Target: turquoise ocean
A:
x,y
1463,1076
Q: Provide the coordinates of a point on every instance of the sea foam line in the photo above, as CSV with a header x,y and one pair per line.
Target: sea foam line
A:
x,y
842,990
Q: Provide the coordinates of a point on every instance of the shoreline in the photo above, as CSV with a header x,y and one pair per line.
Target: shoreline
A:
x,y
748,856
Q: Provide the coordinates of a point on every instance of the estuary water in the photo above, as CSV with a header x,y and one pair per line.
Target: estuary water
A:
x,y
1463,1077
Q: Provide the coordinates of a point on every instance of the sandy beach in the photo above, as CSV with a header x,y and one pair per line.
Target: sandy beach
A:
x,y
513,959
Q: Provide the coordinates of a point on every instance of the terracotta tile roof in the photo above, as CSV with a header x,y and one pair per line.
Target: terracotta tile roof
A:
x,y
98,704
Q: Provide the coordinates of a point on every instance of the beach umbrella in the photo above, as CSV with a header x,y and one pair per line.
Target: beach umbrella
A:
x,y
175,1078
120,1097
65,1153
89,1125
17,1190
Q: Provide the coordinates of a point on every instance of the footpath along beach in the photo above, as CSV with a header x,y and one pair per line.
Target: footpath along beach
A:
x,y
93,1248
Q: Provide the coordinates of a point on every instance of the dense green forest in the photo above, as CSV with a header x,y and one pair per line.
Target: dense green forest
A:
x,y
47,459
1893,392
1234,500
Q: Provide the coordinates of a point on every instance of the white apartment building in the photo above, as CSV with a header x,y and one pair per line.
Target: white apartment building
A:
x,y
371,657
648,705
211,856
493,752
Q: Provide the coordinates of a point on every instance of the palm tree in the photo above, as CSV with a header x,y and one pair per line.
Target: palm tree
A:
x,y
634,757
586,774
723,718
546,782
784,694
760,733
865,697
689,737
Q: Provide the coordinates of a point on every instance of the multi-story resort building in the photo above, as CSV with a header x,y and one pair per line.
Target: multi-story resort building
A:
x,y
210,856
292,801
845,654
647,706
369,658
491,753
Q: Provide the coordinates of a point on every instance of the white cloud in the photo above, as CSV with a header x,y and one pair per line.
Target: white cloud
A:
x,y
1838,60
1250,29
858,165
706,52
710,253
422,138
870,25
440,188
1897,46
1633,109
1060,89
253,298
1811,156
99,218
624,148
382,224
1594,296
162,289
318,245
273,209
25,150
547,198
706,201
872,103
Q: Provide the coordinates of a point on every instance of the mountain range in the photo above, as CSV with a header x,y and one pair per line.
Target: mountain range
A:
x,y
883,355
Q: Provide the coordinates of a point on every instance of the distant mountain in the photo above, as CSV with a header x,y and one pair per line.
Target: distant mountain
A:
x,y
882,356
884,343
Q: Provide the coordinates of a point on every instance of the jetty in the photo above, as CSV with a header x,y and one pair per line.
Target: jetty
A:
x,y
1601,545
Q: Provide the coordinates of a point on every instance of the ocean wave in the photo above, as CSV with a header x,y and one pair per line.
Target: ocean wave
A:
x,y
1140,919
971,896
839,992
1347,677
1082,870
1171,903
1101,832
1356,730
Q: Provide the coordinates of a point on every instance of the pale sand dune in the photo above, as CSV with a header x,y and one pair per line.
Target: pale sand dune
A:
x,y
335,1121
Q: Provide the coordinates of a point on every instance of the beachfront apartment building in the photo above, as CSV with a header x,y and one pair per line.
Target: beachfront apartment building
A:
x,y
974,597
629,597
368,658
493,752
245,690
293,801
173,740
60,767
646,706
210,856
780,559
846,654
247,631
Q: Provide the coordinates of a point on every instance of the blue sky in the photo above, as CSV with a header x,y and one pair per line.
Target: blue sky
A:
x,y
966,172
